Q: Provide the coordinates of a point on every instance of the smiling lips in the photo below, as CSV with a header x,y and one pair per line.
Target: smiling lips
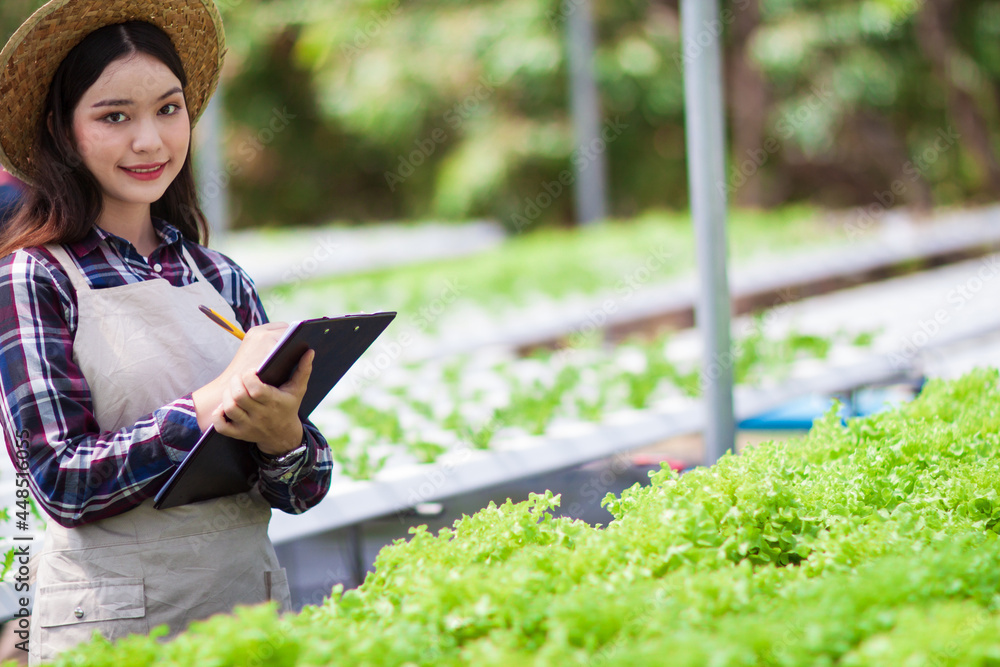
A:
x,y
145,172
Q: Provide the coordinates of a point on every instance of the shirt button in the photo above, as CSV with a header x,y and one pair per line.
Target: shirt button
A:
x,y
78,612
157,267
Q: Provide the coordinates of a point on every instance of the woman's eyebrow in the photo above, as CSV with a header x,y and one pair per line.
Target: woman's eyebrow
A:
x,y
127,103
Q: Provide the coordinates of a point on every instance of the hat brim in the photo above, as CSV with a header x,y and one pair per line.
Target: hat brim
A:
x,y
31,57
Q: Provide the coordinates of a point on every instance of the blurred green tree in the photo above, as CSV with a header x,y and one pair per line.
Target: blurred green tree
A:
x,y
452,109
879,101
390,109
458,109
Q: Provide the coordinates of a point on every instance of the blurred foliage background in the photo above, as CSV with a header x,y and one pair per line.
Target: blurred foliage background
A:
x,y
412,109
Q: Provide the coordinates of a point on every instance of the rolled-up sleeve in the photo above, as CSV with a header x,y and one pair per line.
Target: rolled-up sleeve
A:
x,y
297,487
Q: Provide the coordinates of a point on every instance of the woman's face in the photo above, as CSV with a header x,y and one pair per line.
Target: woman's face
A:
x,y
132,130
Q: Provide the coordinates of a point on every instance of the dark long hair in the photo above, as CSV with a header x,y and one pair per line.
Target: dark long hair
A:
x,y
65,200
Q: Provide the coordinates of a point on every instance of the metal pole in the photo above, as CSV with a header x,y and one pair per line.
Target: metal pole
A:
x,y
212,177
585,105
702,52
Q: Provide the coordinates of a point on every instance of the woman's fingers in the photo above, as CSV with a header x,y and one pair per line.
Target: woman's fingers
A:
x,y
256,346
257,412
294,388
236,404
297,384
255,408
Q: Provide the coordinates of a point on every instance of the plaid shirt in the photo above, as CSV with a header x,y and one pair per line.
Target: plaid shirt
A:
x,y
77,473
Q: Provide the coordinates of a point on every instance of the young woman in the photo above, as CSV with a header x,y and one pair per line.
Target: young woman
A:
x,y
109,372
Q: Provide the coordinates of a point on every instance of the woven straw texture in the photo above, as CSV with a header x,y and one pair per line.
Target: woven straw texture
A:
x,y
29,61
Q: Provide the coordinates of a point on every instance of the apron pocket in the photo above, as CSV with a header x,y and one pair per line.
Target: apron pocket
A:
x,y
70,613
85,602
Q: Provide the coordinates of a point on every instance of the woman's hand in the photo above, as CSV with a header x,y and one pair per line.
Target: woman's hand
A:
x,y
257,344
239,405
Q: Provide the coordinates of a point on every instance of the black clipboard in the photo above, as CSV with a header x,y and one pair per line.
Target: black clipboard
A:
x,y
219,465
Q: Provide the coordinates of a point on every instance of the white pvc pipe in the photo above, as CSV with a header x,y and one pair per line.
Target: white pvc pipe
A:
x,y
702,32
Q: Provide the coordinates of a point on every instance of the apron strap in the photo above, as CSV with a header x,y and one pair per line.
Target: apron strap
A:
x,y
193,265
204,281
74,273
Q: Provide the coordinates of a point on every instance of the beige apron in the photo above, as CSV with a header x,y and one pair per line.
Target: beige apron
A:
x,y
141,346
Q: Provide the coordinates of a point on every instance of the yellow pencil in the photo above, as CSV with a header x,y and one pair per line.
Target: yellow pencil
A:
x,y
221,321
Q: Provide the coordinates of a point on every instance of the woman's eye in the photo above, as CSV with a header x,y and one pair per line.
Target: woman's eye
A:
x,y
115,117
170,109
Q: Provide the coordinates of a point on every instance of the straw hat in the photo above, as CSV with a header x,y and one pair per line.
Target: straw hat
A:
x,y
30,60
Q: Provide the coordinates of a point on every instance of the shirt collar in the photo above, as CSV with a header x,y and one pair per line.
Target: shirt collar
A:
x,y
168,234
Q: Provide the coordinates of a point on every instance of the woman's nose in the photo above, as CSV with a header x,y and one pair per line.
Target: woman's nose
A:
x,y
147,137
